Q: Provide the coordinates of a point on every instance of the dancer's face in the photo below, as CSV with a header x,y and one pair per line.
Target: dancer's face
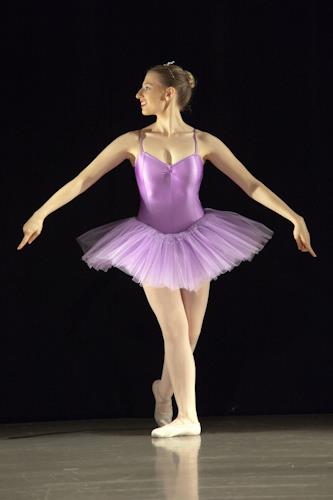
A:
x,y
153,95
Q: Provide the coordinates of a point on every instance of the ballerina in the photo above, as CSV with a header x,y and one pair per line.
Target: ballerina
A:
x,y
174,246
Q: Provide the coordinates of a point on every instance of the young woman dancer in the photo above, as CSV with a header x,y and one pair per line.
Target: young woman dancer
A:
x,y
174,247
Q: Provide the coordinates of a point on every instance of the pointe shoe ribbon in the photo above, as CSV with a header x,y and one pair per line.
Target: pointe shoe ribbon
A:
x,y
161,417
189,429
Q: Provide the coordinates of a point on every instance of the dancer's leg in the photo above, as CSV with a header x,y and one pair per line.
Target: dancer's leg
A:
x,y
169,310
195,305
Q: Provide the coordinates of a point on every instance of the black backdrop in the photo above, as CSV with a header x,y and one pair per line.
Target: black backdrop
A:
x,y
79,343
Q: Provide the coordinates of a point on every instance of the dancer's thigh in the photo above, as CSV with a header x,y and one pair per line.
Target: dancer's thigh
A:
x,y
169,310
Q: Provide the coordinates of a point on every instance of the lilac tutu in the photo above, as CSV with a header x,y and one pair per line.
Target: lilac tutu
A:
x,y
212,245
173,241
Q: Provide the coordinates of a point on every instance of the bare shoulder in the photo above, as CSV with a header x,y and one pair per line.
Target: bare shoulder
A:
x,y
133,137
128,142
206,138
130,139
206,142
220,155
213,146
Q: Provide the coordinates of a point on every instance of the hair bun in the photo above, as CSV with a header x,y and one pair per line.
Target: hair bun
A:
x,y
190,78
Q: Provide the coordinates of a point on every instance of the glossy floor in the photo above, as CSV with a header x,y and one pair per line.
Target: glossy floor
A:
x,y
237,457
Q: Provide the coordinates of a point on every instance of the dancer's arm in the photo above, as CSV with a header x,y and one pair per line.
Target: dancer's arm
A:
x,y
111,156
223,159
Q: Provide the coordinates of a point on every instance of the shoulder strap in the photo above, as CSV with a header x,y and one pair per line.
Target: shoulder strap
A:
x,y
140,141
195,140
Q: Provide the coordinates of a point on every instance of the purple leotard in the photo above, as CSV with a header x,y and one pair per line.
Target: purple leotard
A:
x,y
173,241
169,194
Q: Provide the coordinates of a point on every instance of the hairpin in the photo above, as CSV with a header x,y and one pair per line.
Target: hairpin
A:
x,y
167,64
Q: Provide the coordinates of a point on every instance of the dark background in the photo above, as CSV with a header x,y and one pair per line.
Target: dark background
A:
x,y
80,343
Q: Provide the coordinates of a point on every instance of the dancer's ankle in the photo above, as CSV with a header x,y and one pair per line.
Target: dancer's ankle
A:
x,y
186,418
161,396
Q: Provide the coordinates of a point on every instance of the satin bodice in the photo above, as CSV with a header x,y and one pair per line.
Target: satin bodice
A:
x,y
169,194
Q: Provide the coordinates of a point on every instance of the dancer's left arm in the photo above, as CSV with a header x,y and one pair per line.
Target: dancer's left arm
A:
x,y
223,159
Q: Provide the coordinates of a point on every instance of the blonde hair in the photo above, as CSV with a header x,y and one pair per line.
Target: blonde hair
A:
x,y
172,75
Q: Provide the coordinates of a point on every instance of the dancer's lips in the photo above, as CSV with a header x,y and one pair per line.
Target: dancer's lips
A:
x,y
142,103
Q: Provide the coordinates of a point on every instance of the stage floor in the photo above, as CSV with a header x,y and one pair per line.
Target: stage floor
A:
x,y
235,457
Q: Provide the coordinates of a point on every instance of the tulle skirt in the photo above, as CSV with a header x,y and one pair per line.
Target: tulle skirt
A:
x,y
212,245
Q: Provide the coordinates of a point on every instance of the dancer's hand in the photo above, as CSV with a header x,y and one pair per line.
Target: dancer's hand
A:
x,y
302,237
31,229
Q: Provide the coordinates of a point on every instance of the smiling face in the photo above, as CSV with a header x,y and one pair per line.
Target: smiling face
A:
x,y
153,95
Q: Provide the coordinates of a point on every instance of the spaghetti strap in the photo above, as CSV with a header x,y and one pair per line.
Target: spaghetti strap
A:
x,y
140,141
195,141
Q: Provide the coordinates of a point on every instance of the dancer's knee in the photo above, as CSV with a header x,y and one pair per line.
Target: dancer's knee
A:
x,y
175,330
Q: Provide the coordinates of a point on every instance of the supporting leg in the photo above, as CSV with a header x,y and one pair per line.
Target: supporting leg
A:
x,y
195,305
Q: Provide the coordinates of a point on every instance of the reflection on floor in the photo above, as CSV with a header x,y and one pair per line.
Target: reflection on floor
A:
x,y
238,457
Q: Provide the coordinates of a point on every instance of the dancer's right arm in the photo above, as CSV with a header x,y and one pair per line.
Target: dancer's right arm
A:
x,y
111,156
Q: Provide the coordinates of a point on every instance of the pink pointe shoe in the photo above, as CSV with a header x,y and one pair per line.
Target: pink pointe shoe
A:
x,y
161,417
